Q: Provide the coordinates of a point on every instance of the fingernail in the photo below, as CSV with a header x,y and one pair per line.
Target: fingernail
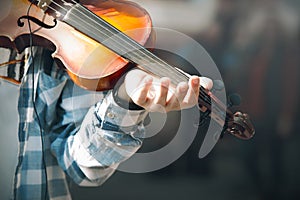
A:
x,y
196,80
165,83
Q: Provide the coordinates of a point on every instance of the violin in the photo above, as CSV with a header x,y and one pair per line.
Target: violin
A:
x,y
98,43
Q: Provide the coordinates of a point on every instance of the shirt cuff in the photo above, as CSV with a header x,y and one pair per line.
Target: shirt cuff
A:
x,y
108,135
109,111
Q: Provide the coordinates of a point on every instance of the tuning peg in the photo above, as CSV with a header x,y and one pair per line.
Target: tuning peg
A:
x,y
241,126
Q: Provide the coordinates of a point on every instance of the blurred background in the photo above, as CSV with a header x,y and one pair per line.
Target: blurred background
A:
x,y
255,45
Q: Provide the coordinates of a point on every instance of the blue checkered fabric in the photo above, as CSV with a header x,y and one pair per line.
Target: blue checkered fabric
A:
x,y
77,134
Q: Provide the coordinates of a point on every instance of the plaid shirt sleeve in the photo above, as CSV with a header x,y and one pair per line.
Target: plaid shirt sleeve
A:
x,y
90,151
108,135
68,129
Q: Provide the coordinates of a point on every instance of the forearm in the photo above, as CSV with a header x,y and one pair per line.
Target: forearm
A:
x,y
107,136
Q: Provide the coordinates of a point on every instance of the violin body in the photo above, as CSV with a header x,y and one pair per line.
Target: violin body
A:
x,y
89,64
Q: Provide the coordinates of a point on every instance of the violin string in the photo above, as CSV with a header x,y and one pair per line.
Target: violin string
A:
x,y
157,60
144,51
163,64
137,55
202,93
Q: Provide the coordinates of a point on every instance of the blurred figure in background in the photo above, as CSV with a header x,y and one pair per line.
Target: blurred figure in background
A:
x,y
272,58
258,44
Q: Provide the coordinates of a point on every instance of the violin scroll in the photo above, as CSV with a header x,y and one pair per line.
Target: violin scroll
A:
x,y
240,126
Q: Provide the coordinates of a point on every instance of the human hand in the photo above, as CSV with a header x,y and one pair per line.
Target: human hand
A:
x,y
158,95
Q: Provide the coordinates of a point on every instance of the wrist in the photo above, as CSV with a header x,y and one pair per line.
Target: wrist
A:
x,y
109,112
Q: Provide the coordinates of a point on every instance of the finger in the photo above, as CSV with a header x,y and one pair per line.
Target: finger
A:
x,y
163,93
195,84
176,99
193,92
141,96
207,83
